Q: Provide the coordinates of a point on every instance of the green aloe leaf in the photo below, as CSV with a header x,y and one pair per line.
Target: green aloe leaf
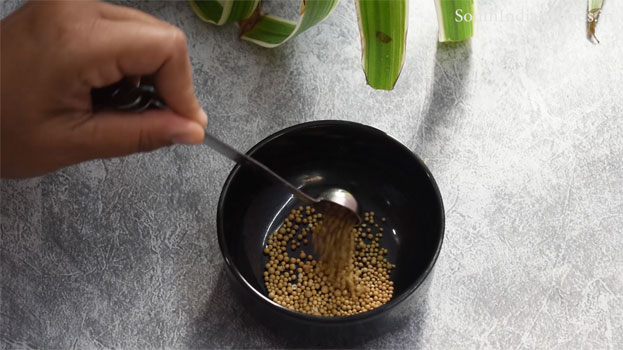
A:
x,y
272,31
382,25
594,9
222,12
455,19
383,29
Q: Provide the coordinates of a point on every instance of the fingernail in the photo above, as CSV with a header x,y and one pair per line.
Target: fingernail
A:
x,y
204,117
183,140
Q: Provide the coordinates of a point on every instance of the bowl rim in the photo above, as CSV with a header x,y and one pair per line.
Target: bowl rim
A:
x,y
327,319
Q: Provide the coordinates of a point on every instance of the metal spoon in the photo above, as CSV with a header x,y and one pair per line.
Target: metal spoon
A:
x,y
344,199
135,96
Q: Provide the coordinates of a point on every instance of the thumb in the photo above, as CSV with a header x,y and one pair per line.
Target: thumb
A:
x,y
114,134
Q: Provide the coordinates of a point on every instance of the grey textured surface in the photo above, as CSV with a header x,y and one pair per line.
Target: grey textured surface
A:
x,y
521,127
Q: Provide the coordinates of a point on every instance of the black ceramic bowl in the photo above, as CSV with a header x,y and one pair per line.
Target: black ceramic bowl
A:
x,y
384,176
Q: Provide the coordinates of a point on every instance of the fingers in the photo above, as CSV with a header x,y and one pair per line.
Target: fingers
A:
x,y
140,48
174,81
113,134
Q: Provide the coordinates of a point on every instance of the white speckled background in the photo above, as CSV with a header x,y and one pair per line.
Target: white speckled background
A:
x,y
521,127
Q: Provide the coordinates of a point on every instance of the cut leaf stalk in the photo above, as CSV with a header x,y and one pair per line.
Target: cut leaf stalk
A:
x,y
383,30
272,31
592,16
455,19
222,12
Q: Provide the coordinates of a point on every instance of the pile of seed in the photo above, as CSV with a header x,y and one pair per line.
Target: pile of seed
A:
x,y
299,282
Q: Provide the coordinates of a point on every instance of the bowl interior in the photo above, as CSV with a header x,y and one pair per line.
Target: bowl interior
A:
x,y
382,174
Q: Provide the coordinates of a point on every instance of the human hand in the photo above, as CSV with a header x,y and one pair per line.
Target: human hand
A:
x,y
54,53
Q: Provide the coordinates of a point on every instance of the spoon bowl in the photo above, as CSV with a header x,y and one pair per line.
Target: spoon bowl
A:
x,y
341,203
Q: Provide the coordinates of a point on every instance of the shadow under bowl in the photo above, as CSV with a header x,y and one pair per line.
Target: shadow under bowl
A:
x,y
382,174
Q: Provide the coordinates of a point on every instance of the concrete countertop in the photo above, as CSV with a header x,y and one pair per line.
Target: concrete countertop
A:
x,y
521,127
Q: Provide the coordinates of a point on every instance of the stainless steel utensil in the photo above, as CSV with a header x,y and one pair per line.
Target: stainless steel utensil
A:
x,y
135,97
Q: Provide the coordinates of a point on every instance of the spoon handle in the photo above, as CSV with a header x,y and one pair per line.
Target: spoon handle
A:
x,y
242,159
